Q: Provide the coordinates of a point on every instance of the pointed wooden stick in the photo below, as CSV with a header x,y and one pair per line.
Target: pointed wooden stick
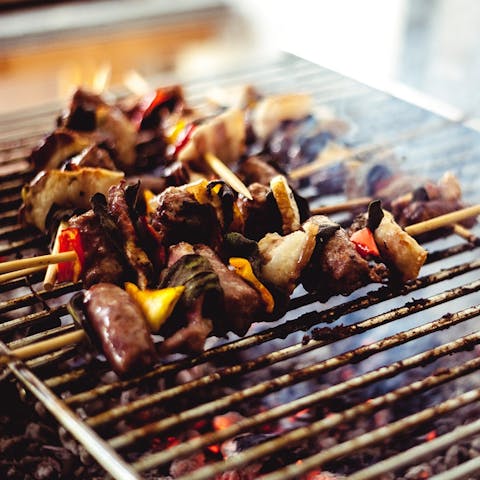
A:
x,y
465,233
342,207
449,219
6,277
40,261
44,346
51,274
226,174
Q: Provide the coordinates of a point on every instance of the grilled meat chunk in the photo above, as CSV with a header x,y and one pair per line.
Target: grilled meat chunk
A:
x,y
242,304
121,328
92,156
106,124
257,170
119,209
102,262
336,267
260,215
179,217
68,189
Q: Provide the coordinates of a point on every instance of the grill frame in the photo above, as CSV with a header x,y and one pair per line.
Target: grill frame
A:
x,y
414,136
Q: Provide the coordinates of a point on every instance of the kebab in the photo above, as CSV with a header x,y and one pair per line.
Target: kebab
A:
x,y
201,262
242,303
192,335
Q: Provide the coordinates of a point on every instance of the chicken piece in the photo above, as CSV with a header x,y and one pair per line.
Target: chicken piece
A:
x,y
237,96
271,111
284,258
58,147
222,135
68,189
398,248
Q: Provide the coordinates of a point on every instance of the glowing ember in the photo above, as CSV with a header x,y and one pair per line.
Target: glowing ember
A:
x,y
223,421
431,435
215,449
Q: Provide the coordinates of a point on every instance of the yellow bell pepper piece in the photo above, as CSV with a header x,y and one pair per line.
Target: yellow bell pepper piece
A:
x,y
150,200
174,132
157,305
244,269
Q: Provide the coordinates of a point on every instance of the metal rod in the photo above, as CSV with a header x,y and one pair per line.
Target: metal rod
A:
x,y
412,455
370,438
97,447
280,411
279,355
303,322
350,446
464,471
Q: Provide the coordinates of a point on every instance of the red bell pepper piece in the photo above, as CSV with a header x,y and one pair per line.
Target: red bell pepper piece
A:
x,y
68,240
365,242
147,105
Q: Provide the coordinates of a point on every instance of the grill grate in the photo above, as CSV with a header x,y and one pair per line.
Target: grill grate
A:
x,y
394,345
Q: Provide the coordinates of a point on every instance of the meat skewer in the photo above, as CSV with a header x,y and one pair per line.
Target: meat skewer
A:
x,y
183,231
101,310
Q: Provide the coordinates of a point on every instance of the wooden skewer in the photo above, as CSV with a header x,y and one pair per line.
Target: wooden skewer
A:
x,y
51,274
226,174
342,207
6,277
465,233
45,346
40,261
449,219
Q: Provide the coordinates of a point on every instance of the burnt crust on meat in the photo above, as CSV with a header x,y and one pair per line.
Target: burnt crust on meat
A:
x,y
102,262
337,268
136,256
179,217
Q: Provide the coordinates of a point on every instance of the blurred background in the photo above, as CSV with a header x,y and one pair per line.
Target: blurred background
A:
x,y
425,51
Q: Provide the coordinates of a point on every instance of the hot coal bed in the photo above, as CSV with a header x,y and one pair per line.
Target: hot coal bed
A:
x,y
381,384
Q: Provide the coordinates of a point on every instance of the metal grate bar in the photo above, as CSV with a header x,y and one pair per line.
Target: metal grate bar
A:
x,y
424,450
375,436
380,434
298,376
303,322
186,448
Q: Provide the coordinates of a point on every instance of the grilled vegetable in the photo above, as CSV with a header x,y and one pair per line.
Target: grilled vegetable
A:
x,y
120,326
398,248
244,269
365,243
286,204
156,305
68,240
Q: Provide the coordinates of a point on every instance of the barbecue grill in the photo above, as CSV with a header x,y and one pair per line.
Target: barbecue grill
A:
x,y
310,390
